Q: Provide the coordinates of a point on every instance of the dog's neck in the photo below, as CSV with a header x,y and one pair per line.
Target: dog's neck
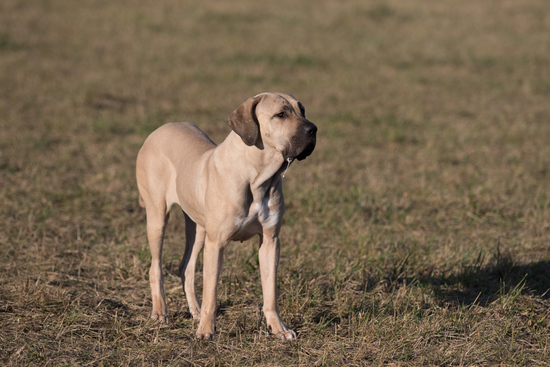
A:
x,y
269,164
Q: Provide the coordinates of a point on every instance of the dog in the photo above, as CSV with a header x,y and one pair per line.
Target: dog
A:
x,y
229,192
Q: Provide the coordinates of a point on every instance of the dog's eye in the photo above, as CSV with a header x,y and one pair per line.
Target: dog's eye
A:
x,y
302,110
280,115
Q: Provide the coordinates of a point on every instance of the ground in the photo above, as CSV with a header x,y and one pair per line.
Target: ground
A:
x,y
417,233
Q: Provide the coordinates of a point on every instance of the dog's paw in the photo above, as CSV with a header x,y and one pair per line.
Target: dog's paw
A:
x,y
206,336
206,332
162,318
276,327
287,335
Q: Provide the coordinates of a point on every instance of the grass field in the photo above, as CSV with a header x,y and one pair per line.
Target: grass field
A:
x,y
417,233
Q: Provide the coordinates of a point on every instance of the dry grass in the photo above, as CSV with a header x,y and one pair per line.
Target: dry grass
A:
x,y
416,234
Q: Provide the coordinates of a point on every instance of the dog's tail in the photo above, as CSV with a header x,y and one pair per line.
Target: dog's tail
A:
x,y
141,202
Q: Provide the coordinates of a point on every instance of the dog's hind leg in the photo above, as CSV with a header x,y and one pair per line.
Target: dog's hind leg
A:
x,y
194,242
156,225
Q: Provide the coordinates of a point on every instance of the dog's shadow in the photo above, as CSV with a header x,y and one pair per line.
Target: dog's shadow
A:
x,y
482,283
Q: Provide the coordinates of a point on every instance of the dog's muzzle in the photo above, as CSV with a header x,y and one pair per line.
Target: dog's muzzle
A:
x,y
308,138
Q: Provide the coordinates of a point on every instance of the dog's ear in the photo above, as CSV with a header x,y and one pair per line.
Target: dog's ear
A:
x,y
244,122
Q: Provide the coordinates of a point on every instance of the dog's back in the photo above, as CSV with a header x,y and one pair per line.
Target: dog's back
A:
x,y
172,148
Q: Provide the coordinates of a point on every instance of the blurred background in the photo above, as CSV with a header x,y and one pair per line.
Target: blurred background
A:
x,y
416,233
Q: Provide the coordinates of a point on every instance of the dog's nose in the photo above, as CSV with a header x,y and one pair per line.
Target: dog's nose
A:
x,y
311,129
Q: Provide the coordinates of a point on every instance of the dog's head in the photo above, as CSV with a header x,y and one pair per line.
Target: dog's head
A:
x,y
275,120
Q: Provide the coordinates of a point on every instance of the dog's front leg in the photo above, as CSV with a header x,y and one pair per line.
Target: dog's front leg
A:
x,y
213,259
269,262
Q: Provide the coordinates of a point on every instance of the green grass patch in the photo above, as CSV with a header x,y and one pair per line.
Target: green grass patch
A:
x,y
415,234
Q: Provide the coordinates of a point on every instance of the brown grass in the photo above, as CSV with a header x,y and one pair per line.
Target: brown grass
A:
x,y
416,234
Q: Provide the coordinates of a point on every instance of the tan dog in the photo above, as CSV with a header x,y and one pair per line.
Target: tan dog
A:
x,y
228,192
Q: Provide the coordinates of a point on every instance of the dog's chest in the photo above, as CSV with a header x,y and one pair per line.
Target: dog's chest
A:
x,y
260,216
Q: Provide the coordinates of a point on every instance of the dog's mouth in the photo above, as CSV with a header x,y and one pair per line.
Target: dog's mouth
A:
x,y
305,142
300,154
289,158
307,151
